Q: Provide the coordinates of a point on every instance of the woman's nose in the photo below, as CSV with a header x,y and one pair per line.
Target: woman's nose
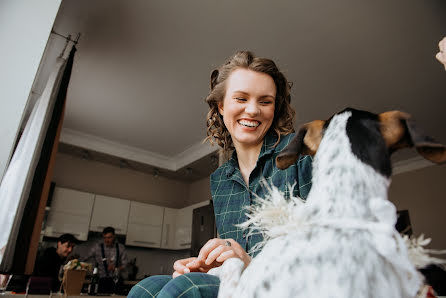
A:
x,y
252,108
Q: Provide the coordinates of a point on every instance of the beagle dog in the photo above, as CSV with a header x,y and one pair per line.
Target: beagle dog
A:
x,y
342,241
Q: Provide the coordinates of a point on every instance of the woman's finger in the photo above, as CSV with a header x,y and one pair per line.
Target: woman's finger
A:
x,y
226,255
215,253
195,264
180,265
208,247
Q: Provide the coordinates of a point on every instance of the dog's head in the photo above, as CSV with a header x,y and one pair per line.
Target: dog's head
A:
x,y
373,138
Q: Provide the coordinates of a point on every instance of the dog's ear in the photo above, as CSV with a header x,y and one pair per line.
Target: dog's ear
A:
x,y
399,131
306,142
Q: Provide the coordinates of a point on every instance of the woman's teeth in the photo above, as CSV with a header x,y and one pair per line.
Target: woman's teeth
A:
x,y
249,123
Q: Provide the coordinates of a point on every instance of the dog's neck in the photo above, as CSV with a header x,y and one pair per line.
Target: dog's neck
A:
x,y
342,184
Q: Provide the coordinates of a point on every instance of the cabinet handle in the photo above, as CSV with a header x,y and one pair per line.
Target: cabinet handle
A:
x,y
140,241
60,233
184,244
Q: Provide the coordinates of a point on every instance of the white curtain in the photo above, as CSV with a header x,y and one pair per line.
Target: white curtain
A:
x,y
16,183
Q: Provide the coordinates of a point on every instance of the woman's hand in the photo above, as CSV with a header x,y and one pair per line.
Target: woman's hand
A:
x,y
212,254
188,265
441,55
219,250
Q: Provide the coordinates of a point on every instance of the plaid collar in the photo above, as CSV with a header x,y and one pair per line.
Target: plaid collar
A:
x,y
267,148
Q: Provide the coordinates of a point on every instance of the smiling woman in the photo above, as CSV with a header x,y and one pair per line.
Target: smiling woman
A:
x,y
248,107
250,112
259,68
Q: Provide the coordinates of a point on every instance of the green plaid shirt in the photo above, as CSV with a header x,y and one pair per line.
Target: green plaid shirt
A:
x,y
231,195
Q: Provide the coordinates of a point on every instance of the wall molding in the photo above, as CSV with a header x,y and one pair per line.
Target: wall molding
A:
x,y
90,142
410,165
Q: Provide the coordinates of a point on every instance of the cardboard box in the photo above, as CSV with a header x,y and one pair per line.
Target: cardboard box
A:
x,y
73,281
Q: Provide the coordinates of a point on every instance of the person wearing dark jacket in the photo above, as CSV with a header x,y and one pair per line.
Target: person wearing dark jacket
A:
x,y
53,258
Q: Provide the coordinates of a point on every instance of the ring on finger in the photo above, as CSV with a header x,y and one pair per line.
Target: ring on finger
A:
x,y
227,243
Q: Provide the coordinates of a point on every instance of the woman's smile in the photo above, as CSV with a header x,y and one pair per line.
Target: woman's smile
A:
x,y
249,123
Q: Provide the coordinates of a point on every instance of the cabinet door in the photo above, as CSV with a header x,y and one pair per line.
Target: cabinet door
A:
x,y
72,201
143,235
169,223
108,211
183,232
59,223
146,214
145,225
70,212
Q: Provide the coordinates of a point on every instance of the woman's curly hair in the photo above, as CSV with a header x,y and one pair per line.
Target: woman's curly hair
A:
x,y
283,113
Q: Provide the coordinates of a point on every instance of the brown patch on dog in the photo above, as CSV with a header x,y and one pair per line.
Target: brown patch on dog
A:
x,y
283,161
434,154
313,136
306,142
393,129
400,131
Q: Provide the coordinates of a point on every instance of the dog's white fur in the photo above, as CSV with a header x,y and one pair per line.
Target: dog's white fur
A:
x,y
340,243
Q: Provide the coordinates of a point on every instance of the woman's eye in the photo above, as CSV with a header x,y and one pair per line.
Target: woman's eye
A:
x,y
266,102
240,98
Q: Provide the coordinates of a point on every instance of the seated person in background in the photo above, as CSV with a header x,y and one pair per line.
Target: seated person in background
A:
x,y
54,257
109,256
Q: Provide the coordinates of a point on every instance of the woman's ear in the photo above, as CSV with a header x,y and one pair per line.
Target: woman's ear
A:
x,y
220,108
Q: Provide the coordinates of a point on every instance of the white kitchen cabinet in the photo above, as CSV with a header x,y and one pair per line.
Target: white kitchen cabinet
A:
x,y
154,226
183,230
145,214
108,211
143,235
70,212
169,227
145,225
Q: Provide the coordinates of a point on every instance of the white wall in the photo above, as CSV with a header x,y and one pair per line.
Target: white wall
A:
x,y
199,191
423,193
24,30
100,178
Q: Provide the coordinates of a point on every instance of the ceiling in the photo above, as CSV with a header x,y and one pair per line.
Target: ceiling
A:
x,y
141,72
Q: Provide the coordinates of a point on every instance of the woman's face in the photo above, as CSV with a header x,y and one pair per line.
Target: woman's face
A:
x,y
248,106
